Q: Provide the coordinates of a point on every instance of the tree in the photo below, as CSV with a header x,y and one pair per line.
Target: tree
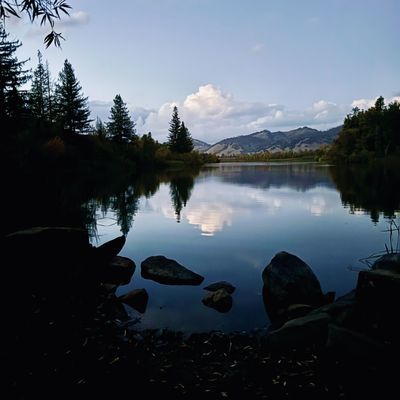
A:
x,y
40,99
47,11
72,111
174,127
12,76
120,128
184,143
100,129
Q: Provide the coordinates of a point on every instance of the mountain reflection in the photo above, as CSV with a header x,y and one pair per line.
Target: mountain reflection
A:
x,y
297,176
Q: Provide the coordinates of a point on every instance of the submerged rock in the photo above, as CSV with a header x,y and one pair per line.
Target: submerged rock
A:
x,y
220,300
169,272
289,280
220,285
137,299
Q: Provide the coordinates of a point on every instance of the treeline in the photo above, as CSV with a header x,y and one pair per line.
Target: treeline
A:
x,y
264,156
369,135
49,125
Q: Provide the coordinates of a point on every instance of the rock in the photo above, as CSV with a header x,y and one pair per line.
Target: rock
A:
x,y
169,272
303,331
118,271
42,255
221,285
389,262
289,280
107,251
350,344
298,310
378,299
220,300
136,299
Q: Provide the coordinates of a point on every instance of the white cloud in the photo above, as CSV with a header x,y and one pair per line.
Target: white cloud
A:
x,y
77,18
258,47
364,104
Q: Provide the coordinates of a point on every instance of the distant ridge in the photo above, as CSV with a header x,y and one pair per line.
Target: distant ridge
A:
x,y
299,139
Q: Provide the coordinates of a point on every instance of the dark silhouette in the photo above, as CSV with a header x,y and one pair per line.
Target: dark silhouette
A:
x,y
71,106
120,128
180,189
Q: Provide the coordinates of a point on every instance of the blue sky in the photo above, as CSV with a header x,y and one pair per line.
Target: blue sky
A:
x,y
232,67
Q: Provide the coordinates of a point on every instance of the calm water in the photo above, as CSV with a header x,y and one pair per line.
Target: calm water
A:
x,y
227,222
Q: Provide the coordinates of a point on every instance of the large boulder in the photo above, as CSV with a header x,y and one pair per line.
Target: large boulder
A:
x,y
388,262
289,280
220,285
118,271
169,272
299,332
137,299
220,300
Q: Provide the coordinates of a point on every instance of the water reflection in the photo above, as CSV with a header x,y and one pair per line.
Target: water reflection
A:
x,y
181,187
372,189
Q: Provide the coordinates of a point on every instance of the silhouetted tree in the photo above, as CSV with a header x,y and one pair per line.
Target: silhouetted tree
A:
x,y
184,143
40,98
72,110
100,129
12,76
174,127
120,128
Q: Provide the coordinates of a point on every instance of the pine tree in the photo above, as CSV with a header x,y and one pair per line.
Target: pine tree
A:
x,y
174,127
12,76
184,143
40,98
72,111
120,128
100,129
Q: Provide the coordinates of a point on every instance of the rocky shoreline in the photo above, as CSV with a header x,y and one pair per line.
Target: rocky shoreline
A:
x,y
69,332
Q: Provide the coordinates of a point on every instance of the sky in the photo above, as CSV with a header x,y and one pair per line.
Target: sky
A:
x,y
232,67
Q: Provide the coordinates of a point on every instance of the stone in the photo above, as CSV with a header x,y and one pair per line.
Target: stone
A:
x,y
389,262
137,299
119,271
107,251
221,285
299,332
289,280
169,272
220,300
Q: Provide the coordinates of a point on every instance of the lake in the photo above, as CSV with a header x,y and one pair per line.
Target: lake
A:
x,y
227,221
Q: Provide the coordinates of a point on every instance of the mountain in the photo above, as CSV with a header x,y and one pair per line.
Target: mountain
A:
x,y
200,146
299,139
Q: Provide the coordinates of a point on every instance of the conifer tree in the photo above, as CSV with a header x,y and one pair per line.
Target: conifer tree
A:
x,y
40,98
174,127
12,76
100,129
184,143
72,111
120,128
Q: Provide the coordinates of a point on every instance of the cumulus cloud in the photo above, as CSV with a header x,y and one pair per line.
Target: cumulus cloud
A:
x,y
364,104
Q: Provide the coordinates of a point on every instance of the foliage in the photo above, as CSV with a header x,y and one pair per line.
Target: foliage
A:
x,y
47,11
369,134
72,112
120,128
174,126
12,77
184,143
41,94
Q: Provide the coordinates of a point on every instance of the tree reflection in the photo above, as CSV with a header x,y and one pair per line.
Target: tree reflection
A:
x,y
180,189
371,188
